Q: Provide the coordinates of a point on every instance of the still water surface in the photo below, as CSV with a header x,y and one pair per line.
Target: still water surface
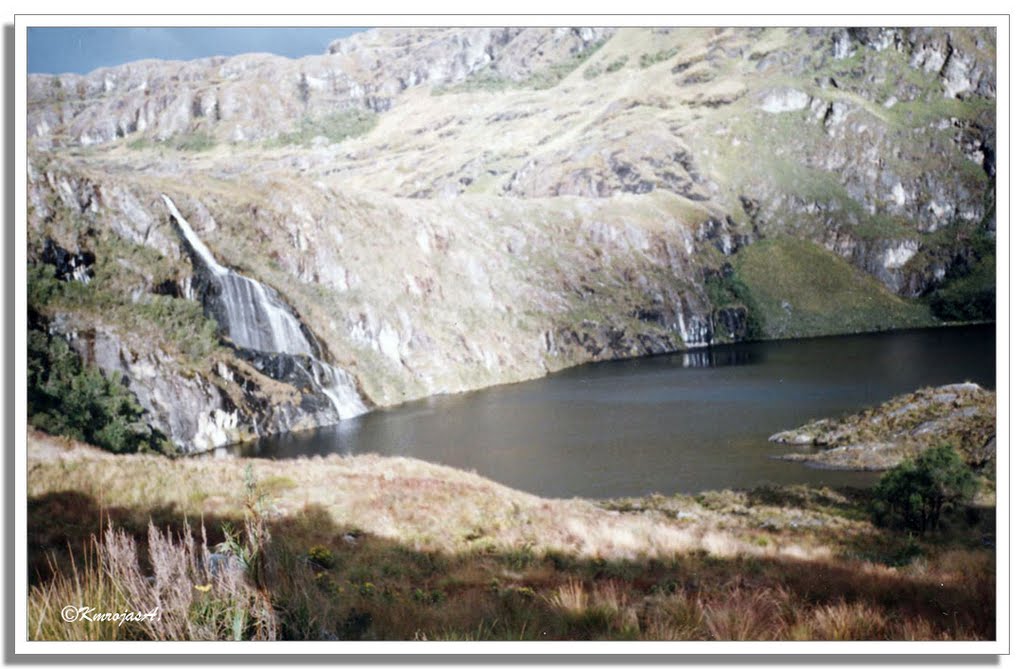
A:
x,y
676,423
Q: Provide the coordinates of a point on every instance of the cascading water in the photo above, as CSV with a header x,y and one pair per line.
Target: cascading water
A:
x,y
255,318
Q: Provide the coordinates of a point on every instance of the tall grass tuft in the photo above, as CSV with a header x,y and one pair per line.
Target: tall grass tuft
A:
x,y
743,614
196,597
82,584
195,594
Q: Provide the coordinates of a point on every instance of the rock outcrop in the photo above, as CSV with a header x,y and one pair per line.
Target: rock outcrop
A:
x,y
961,414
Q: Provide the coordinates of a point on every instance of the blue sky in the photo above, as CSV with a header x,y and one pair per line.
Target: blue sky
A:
x,y
81,50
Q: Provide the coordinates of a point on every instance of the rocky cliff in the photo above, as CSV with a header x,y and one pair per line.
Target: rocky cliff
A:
x,y
443,209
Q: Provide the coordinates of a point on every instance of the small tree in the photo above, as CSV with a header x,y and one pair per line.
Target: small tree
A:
x,y
915,494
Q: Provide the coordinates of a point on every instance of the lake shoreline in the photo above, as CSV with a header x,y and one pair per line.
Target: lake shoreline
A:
x,y
666,423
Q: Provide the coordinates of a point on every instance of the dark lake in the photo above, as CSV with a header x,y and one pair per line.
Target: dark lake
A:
x,y
677,423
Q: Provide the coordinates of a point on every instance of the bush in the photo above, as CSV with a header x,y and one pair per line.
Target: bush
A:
x,y
915,494
617,64
173,575
177,321
320,556
971,297
648,59
335,127
194,141
727,290
65,397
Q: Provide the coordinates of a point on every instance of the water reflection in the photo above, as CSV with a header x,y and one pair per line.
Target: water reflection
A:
x,y
717,357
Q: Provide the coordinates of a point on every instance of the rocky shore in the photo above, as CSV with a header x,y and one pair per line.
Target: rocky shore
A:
x,y
878,438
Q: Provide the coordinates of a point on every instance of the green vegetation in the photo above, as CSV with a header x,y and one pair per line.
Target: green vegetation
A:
x,y
321,556
194,141
880,226
180,324
917,493
197,594
67,398
969,293
881,437
648,59
483,80
141,143
595,70
970,297
617,64
725,290
335,127
115,294
928,109
800,289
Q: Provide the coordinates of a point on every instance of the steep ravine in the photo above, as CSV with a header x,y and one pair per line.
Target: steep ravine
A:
x,y
421,212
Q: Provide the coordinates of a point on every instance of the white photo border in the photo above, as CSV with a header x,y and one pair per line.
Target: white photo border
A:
x,y
18,496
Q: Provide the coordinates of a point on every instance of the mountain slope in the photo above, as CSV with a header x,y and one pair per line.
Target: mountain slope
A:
x,y
446,209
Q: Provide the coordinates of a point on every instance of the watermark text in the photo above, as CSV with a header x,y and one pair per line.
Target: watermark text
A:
x,y
74,614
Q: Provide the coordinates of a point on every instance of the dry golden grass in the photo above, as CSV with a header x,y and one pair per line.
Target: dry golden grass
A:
x,y
183,593
390,548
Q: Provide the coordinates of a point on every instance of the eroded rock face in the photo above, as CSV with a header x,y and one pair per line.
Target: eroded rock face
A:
x,y
523,199
188,409
253,97
784,100
202,411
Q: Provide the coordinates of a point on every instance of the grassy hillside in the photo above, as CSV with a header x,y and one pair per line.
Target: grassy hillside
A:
x,y
798,289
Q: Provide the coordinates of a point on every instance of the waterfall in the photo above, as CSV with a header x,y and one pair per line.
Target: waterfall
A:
x,y
256,318
253,314
338,387
193,240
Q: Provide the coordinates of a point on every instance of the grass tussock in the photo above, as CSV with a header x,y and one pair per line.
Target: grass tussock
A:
x,y
387,548
175,587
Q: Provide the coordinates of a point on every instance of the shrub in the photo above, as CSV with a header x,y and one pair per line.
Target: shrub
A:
x,y
648,59
67,398
617,64
725,289
335,127
971,297
320,556
177,321
915,494
178,580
